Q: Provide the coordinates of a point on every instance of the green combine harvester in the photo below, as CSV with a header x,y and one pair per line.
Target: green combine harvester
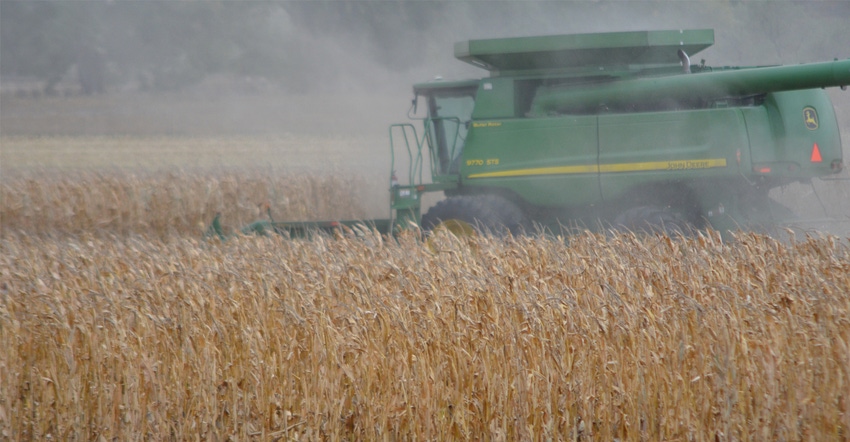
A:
x,y
607,130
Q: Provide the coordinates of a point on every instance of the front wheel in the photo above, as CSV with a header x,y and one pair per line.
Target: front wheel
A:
x,y
479,213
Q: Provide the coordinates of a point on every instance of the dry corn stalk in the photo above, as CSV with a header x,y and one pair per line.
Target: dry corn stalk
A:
x,y
168,202
365,338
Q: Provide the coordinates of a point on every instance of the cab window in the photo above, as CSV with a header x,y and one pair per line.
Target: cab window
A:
x,y
449,112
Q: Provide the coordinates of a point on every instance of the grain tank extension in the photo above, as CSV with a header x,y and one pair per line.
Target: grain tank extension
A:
x,y
612,129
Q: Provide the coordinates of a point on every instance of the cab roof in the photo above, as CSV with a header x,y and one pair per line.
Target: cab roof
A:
x,y
439,84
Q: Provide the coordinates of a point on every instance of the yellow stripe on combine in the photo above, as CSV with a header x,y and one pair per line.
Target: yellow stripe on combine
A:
x,y
609,168
539,171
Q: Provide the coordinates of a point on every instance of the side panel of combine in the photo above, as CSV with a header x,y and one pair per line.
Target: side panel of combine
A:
x,y
665,148
546,161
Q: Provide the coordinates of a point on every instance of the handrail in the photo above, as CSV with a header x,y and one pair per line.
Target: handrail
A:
x,y
415,162
415,159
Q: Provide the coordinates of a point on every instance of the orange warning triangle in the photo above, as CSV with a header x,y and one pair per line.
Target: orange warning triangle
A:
x,y
816,154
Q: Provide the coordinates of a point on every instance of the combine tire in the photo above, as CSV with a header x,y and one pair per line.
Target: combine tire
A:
x,y
652,219
480,213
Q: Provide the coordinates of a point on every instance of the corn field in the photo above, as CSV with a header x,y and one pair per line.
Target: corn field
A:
x,y
163,203
129,337
119,322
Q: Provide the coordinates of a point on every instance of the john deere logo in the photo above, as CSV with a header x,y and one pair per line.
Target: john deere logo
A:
x,y
810,118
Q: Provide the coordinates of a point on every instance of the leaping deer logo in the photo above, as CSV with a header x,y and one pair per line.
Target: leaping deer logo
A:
x,y
810,118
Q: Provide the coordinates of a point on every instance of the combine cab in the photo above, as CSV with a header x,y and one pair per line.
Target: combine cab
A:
x,y
612,130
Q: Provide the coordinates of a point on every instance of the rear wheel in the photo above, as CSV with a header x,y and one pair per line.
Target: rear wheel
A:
x,y
479,213
653,219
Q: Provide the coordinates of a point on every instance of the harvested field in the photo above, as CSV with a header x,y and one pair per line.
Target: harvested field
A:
x,y
364,338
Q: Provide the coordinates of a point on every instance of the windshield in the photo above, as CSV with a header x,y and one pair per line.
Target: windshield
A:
x,y
450,112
